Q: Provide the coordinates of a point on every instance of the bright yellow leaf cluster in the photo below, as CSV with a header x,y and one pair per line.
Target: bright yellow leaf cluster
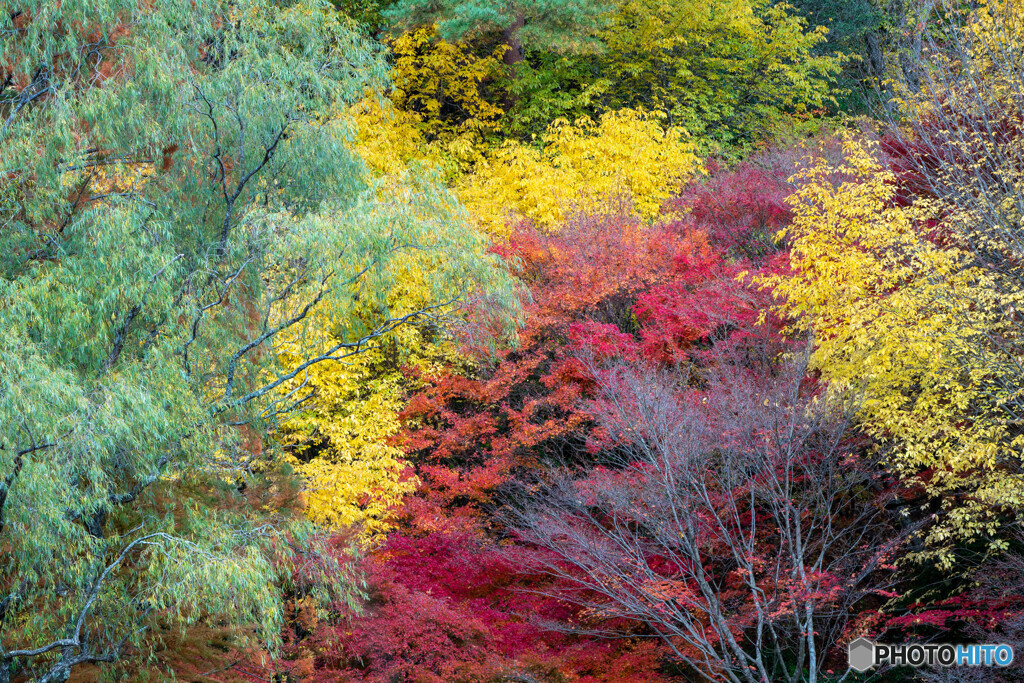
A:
x,y
627,157
388,140
435,113
897,321
436,84
354,477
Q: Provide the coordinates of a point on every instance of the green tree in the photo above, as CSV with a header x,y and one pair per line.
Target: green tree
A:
x,y
522,24
365,12
731,71
855,28
723,68
179,195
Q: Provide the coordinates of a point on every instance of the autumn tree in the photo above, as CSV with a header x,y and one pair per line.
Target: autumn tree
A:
x,y
626,161
440,86
885,299
957,148
180,195
605,282
467,428
905,267
448,606
734,519
443,585
723,67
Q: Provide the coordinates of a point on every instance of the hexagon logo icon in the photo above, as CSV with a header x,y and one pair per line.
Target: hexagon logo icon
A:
x,y
861,655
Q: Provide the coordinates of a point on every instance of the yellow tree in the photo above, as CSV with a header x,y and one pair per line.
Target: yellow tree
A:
x,y
728,69
894,317
625,156
437,84
340,442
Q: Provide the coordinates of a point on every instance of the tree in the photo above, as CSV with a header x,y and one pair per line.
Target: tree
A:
x,y
735,519
957,148
447,607
439,84
180,196
341,442
626,157
727,69
368,13
522,24
857,29
664,293
902,316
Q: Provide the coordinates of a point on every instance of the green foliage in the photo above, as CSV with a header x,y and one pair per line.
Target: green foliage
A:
x,y
725,69
728,71
369,13
180,196
853,26
558,25
548,86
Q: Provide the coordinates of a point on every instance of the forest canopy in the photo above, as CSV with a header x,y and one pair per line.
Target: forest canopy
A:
x,y
539,340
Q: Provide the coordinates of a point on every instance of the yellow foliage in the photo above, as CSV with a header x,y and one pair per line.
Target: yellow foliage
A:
x,y
388,140
997,26
341,443
730,69
626,156
356,477
436,84
435,114
896,320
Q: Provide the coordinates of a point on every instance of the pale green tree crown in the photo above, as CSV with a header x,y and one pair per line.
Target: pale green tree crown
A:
x,y
545,24
179,193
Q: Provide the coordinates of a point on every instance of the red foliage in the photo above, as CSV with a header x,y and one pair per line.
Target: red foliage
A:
x,y
447,602
449,607
702,301
609,288
741,209
990,609
988,613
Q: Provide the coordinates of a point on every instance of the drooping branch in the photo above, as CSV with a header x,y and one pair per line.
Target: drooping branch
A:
x,y
350,349
76,641
121,334
19,462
